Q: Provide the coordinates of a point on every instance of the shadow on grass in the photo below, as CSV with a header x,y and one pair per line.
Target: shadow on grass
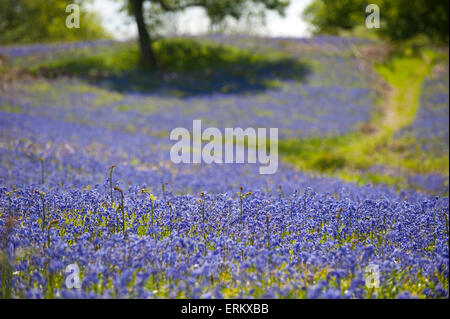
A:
x,y
185,67
316,154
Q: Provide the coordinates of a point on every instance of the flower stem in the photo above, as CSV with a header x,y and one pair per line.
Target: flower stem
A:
x,y
111,183
202,195
42,194
42,170
123,209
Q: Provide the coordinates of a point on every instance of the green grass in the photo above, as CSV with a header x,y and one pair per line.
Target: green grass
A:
x,y
197,66
11,109
108,62
352,155
185,66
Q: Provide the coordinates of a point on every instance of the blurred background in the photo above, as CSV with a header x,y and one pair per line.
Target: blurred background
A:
x,y
366,105
40,21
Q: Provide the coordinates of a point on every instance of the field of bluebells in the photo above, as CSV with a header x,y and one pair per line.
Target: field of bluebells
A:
x,y
430,130
86,183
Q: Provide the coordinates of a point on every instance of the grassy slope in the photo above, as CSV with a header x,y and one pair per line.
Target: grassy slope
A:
x,y
350,156
215,68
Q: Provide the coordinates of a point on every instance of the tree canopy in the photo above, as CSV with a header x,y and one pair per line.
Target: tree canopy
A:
x,y
401,20
25,21
217,10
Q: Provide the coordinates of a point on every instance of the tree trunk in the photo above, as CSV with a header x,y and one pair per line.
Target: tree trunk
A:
x,y
148,59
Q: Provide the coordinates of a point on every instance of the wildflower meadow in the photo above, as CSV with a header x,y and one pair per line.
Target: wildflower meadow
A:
x,y
93,206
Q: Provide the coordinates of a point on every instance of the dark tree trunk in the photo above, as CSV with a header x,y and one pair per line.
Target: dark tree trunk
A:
x,y
148,59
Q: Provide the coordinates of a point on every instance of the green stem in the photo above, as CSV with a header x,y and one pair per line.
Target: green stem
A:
x,y
123,214
203,211
240,198
48,236
446,223
163,186
9,208
202,195
123,209
281,191
42,170
117,226
151,207
41,194
170,217
111,183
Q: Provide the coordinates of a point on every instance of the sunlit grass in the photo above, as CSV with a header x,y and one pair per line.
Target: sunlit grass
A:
x,y
214,67
351,156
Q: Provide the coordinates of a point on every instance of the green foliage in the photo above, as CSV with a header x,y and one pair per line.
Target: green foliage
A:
x,y
217,10
214,67
27,21
405,19
181,55
328,16
110,61
401,20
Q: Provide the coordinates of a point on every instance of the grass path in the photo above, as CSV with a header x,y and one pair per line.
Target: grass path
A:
x,y
405,76
352,155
